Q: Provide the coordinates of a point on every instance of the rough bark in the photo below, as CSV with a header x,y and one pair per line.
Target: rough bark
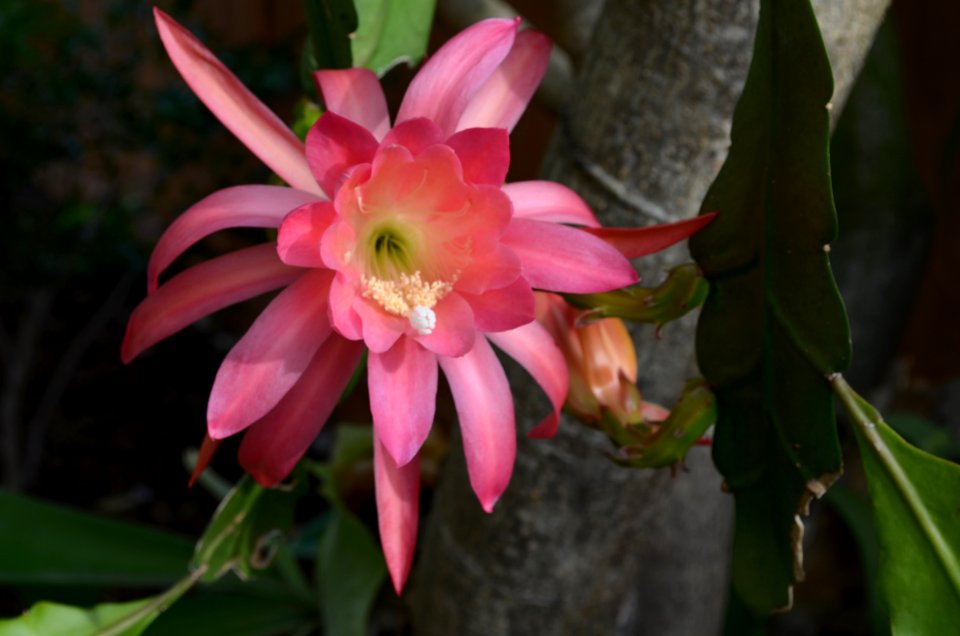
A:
x,y
577,545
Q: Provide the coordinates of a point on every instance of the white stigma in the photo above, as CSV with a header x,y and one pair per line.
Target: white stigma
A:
x,y
423,319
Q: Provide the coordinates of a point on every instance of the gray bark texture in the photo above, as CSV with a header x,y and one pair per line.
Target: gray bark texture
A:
x,y
577,545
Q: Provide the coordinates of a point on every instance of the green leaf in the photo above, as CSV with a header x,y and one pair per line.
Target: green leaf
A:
x,y
916,500
246,528
54,619
43,543
774,324
238,613
391,32
114,619
350,573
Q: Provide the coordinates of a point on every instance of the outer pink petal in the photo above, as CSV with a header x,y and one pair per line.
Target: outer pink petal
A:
x,y
334,145
504,96
202,290
207,450
236,107
549,201
414,134
398,506
270,358
403,396
534,348
634,242
455,331
485,410
240,206
273,445
484,154
355,93
446,83
342,314
502,309
565,259
298,241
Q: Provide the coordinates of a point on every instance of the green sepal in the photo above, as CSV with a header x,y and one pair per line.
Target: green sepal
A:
x,y
684,290
657,445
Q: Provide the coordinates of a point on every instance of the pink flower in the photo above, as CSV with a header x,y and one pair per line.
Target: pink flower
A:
x,y
402,240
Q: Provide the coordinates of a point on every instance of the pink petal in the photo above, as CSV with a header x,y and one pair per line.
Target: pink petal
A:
x,y
334,145
207,450
504,96
403,395
485,410
202,290
236,107
298,241
414,134
549,201
497,269
273,445
446,83
270,358
398,506
502,309
240,206
380,329
455,332
565,259
484,154
534,348
355,93
344,318
634,242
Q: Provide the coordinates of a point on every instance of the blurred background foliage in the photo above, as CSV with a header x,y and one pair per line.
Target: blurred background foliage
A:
x,y
102,145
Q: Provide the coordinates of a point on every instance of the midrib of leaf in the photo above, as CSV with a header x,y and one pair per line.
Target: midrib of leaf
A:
x,y
865,417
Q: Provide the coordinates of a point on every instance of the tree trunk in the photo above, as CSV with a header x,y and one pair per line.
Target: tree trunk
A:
x,y
578,545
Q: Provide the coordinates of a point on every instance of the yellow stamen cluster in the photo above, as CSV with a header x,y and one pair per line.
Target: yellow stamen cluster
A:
x,y
399,297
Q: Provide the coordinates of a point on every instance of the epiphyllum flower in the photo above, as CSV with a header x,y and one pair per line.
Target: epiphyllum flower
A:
x,y
401,240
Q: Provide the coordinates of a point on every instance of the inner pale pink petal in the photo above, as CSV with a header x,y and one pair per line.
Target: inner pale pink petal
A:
x,y
355,93
549,201
270,358
240,206
454,332
534,348
202,290
494,270
236,107
485,410
274,444
565,259
484,154
300,234
430,182
449,79
334,145
380,329
398,505
342,314
403,395
502,309
504,96
414,135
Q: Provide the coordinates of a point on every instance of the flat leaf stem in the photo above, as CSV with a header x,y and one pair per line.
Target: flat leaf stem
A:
x,y
866,418
155,607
